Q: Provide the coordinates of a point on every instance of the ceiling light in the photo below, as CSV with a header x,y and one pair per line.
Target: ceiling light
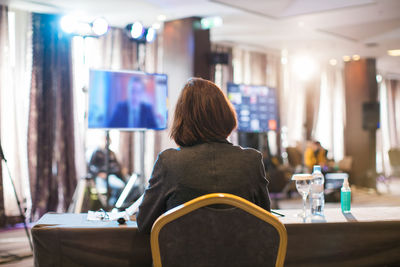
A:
x,y
346,58
300,24
356,57
137,30
150,35
333,61
100,26
394,53
68,24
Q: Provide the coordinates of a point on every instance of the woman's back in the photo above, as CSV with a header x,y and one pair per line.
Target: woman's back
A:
x,y
215,167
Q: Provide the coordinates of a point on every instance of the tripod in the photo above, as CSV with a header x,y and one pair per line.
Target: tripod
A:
x,y
16,198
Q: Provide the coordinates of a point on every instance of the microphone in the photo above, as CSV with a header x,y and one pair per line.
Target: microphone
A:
x,y
121,220
2,154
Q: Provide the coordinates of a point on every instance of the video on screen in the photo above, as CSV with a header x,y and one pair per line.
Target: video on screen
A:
x,y
127,100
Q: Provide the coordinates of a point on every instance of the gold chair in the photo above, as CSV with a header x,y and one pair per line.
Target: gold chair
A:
x,y
218,230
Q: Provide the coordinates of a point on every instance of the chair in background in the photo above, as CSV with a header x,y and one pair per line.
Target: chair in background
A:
x,y
218,230
295,158
394,159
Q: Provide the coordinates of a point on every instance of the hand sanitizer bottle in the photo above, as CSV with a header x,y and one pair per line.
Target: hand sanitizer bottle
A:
x,y
345,196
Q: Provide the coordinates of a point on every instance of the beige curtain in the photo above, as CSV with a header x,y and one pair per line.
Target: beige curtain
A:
x,y
15,72
330,117
388,136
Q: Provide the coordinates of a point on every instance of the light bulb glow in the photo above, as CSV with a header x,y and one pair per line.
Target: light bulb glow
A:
x,y
137,30
68,24
151,35
100,26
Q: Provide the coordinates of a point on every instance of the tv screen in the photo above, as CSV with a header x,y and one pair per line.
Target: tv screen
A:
x,y
256,107
127,100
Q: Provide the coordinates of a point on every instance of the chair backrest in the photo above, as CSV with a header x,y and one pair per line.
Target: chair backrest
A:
x,y
218,230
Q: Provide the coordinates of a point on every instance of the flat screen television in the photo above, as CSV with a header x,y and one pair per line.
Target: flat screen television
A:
x,y
256,107
127,100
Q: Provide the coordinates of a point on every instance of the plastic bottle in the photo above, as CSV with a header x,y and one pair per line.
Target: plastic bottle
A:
x,y
345,196
317,200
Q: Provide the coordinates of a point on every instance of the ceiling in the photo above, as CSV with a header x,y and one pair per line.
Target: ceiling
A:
x,y
322,29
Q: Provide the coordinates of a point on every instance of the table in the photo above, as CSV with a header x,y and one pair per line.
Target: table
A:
x,y
70,240
364,237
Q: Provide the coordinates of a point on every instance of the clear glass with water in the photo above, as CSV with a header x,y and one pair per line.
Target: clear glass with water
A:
x,y
317,200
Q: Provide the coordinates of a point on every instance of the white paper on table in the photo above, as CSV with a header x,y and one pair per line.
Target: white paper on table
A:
x,y
112,216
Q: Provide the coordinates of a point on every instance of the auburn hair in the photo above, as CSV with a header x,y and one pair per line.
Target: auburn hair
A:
x,y
202,114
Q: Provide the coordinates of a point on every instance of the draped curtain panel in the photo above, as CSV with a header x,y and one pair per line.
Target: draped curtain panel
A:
x,y
51,134
14,104
3,38
388,136
329,119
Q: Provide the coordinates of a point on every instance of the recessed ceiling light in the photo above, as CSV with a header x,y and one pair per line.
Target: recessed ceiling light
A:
x,y
394,53
346,58
300,24
356,57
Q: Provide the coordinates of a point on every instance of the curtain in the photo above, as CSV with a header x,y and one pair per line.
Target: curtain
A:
x,y
292,107
388,136
51,130
249,67
14,109
3,60
330,118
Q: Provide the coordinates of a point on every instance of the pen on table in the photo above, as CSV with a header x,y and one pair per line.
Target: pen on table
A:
x,y
274,212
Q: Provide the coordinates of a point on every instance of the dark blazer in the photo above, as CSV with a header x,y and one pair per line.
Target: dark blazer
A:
x,y
180,175
120,117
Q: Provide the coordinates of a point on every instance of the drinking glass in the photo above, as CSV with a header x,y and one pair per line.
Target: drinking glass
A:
x,y
303,185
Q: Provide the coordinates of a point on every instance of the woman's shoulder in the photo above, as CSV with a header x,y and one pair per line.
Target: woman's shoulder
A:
x,y
248,151
169,152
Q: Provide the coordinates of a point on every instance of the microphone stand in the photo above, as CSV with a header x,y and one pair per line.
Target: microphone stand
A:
x,y
16,198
